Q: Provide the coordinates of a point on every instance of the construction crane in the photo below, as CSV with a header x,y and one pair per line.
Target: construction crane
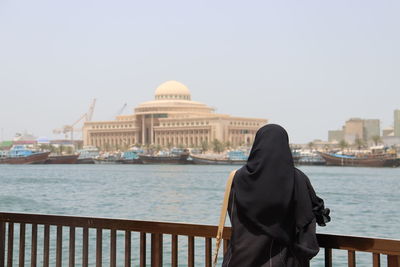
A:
x,y
119,112
72,127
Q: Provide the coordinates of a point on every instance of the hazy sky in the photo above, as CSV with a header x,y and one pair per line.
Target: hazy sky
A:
x,y
307,65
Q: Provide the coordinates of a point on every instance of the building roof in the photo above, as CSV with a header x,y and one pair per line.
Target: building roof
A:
x,y
172,90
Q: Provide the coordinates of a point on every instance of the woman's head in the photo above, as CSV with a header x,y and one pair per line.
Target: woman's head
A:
x,y
270,147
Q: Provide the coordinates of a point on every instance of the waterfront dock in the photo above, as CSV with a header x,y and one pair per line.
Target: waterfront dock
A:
x,y
151,242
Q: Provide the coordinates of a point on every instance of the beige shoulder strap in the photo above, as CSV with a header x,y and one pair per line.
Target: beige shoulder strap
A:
x,y
222,216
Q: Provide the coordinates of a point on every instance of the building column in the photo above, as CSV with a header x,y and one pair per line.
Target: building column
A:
x,y
151,131
143,131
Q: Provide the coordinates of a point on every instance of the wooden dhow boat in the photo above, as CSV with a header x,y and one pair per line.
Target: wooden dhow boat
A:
x,y
370,160
19,154
235,157
62,159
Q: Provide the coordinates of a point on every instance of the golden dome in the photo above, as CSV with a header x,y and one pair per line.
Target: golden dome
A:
x,y
172,90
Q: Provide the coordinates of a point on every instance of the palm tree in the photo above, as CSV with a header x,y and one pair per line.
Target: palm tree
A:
x,y
376,139
343,144
218,146
359,143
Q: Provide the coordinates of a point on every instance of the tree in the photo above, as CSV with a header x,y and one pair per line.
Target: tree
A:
x,y
343,144
359,143
204,146
218,146
310,145
376,139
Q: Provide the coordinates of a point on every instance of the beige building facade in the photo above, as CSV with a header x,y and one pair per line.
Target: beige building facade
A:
x,y
171,119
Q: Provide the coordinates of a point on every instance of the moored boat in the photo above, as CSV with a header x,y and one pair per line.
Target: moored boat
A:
x,y
131,156
382,160
62,159
236,157
87,155
175,156
19,154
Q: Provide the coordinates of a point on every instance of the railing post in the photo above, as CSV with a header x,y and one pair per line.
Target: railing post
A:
x,y
46,245
351,254
328,257
113,248
59,246
34,245
142,249
72,246
376,260
393,261
21,244
174,251
10,244
85,247
2,242
127,248
99,247
191,251
156,250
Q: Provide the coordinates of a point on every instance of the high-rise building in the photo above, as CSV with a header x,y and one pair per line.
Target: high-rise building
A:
x,y
397,122
371,129
335,135
353,130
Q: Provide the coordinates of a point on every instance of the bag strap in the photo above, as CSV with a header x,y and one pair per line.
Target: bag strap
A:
x,y
222,216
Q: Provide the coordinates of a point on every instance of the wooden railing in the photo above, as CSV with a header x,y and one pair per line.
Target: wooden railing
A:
x,y
149,253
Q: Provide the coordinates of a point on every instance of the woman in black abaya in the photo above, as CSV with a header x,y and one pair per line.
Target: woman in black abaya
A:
x,y
273,207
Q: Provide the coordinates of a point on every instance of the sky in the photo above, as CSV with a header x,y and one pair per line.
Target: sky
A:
x,y
307,65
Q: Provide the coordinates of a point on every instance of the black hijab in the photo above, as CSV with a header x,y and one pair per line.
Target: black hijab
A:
x,y
267,194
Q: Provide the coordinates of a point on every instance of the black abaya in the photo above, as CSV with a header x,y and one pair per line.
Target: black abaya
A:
x,y
273,207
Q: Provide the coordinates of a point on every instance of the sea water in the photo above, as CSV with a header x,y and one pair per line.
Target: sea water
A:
x,y
363,201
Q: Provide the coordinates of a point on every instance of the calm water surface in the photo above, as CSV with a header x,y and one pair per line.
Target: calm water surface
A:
x,y
363,201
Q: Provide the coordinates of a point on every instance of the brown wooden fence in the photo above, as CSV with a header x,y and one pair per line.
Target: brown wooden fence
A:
x,y
157,231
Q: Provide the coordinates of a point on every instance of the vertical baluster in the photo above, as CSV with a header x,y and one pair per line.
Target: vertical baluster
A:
x,y
10,244
59,246
113,248
2,242
34,245
351,258
85,247
376,260
99,247
142,249
174,250
156,250
393,261
127,248
21,244
71,246
191,251
46,246
328,257
208,252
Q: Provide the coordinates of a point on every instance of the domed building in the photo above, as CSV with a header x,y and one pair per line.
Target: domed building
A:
x,y
171,119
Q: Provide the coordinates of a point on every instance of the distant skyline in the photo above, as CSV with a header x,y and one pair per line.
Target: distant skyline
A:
x,y
308,65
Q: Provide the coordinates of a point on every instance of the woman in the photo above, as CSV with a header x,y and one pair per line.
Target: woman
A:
x,y
273,207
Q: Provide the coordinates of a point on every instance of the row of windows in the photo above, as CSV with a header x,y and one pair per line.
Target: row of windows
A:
x,y
245,123
183,132
185,123
186,97
112,126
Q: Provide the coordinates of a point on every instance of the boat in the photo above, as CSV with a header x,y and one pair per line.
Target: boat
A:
x,y
175,156
87,155
301,157
236,157
131,156
20,154
107,159
62,159
368,160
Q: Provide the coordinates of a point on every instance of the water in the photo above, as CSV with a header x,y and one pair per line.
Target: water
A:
x,y
363,201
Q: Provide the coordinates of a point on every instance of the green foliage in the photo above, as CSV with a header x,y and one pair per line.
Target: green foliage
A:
x,y
218,146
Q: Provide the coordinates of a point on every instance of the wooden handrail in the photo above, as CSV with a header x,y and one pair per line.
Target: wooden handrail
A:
x,y
352,244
